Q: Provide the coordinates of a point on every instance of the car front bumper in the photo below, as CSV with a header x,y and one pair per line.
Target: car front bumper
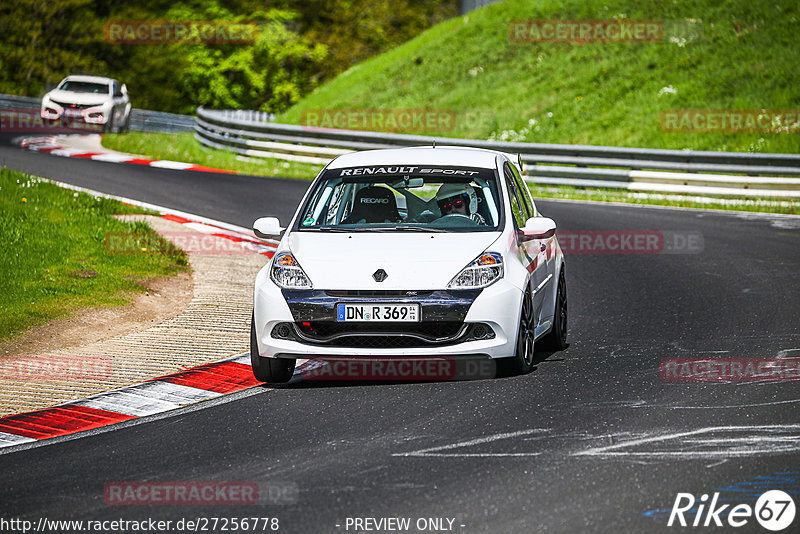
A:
x,y
497,306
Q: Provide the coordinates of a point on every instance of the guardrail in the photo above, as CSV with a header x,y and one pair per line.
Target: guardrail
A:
x,y
681,171
142,120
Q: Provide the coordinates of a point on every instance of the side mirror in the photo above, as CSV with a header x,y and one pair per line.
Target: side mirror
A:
x,y
267,228
124,89
537,228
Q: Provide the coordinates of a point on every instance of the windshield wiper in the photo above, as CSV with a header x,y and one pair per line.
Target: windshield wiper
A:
x,y
409,228
327,229
371,229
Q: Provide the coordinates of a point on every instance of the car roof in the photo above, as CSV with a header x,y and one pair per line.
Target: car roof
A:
x,y
81,78
449,155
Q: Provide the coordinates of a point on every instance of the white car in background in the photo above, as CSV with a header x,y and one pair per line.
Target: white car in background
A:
x,y
411,252
92,100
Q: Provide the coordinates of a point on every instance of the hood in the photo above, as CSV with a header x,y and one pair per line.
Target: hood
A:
x,y
415,261
84,99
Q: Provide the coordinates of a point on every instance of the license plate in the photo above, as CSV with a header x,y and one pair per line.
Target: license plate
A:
x,y
73,112
378,312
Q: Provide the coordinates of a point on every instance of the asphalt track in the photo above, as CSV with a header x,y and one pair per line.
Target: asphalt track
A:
x,y
594,440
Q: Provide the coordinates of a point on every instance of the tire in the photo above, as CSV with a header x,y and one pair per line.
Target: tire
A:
x,y
276,370
556,339
522,361
108,127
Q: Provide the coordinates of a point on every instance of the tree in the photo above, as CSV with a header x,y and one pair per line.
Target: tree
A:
x,y
270,74
41,39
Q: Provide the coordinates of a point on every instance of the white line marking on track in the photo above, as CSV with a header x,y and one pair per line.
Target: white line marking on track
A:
x,y
429,452
757,441
202,228
148,398
175,393
12,439
114,158
68,151
190,408
127,402
167,164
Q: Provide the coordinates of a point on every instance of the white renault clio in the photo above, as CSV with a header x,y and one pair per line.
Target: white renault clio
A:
x,y
410,252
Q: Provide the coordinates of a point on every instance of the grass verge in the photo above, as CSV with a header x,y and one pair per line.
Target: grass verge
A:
x,y
54,257
184,148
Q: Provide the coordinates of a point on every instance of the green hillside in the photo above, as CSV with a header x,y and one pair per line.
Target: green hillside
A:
x,y
734,55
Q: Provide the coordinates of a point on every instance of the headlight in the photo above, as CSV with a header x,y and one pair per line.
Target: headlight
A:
x,y
49,106
485,270
287,273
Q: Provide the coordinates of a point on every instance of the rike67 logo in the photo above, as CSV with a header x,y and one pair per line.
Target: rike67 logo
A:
x,y
774,510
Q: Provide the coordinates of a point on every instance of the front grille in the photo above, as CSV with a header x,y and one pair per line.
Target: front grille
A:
x,y
370,293
378,342
66,105
389,335
429,330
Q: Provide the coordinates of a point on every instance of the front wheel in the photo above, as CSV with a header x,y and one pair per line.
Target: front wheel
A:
x,y
108,127
277,370
556,339
522,362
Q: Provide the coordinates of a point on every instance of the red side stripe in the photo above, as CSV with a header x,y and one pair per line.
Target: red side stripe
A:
x,y
532,266
238,239
48,149
225,377
232,238
59,421
175,218
209,169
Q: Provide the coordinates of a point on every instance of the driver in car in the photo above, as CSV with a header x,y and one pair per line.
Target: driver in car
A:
x,y
459,199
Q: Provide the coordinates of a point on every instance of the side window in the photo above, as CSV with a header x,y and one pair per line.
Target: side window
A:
x,y
117,89
518,209
525,192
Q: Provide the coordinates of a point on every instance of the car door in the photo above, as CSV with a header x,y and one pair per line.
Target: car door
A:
x,y
546,259
528,251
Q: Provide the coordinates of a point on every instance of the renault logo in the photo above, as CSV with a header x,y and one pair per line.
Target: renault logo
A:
x,y
379,275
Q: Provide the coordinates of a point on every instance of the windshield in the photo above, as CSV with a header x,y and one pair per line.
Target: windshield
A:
x,y
404,198
84,87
